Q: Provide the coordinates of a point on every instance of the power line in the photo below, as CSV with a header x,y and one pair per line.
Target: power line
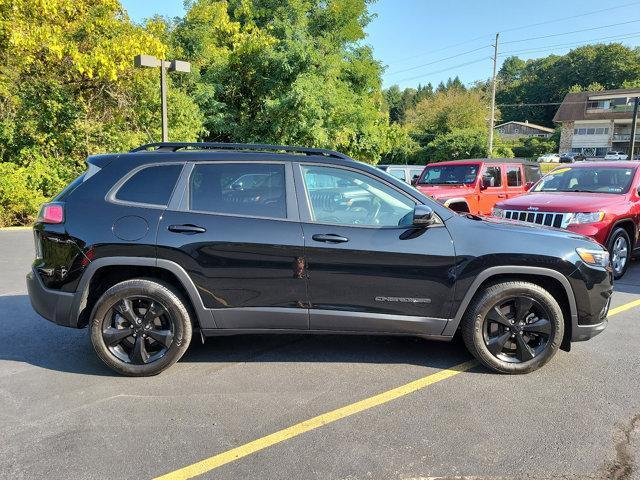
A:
x,y
438,61
570,17
443,70
574,31
548,47
522,27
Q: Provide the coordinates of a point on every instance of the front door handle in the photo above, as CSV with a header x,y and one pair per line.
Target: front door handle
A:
x,y
188,229
502,195
329,238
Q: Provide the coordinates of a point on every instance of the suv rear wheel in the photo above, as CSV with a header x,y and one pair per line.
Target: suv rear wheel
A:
x,y
140,327
619,247
513,327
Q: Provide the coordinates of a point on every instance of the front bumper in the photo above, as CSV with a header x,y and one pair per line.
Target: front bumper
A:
x,y
53,305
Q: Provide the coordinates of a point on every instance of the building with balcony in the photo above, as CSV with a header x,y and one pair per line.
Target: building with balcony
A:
x,y
524,129
594,123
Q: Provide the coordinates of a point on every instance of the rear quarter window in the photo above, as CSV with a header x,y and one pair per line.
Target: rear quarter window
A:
x,y
152,185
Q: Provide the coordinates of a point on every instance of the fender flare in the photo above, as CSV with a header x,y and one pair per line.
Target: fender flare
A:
x,y
449,201
452,325
634,240
204,315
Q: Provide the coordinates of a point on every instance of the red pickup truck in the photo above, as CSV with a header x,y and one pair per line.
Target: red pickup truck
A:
x,y
475,186
597,199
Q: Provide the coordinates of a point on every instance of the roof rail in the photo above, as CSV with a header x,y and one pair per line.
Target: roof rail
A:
x,y
175,146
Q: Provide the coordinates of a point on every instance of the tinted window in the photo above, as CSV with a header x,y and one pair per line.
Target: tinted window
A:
x,y
152,185
346,197
449,174
593,179
492,177
254,189
514,177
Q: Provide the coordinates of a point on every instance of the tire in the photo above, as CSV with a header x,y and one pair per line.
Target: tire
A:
x,y
162,339
479,330
619,237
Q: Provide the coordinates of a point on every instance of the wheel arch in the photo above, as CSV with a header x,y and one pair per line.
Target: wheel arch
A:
x,y
105,272
551,280
630,228
459,204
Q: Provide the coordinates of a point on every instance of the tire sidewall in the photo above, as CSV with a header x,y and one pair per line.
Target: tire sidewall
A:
x,y
158,292
614,236
497,294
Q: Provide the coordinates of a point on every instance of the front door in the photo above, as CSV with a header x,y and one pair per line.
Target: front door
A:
x,y
237,234
368,268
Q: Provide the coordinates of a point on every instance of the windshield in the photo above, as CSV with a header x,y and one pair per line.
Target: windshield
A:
x,y
449,175
593,179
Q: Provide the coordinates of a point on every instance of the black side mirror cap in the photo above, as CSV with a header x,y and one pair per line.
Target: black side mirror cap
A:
x,y
423,216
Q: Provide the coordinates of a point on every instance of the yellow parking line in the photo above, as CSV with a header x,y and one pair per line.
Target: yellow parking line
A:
x,y
14,229
280,436
622,308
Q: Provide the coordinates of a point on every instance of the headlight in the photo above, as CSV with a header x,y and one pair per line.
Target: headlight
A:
x,y
497,212
586,217
596,258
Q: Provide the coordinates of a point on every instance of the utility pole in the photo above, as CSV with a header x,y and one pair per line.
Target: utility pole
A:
x,y
163,101
493,96
634,120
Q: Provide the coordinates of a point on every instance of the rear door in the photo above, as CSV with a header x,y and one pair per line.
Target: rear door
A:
x,y
368,268
235,230
491,176
514,180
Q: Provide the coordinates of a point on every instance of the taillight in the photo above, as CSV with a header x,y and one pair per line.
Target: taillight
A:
x,y
51,213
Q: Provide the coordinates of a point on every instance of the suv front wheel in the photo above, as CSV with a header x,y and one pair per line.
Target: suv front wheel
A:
x,y
513,327
140,327
619,247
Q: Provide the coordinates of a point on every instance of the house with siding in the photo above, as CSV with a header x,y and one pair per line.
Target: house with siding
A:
x,y
513,130
596,122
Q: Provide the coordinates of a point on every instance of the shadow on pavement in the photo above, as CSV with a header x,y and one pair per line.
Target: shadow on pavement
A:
x,y
30,339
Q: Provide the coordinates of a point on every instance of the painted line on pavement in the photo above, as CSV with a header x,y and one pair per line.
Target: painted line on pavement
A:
x,y
623,308
254,446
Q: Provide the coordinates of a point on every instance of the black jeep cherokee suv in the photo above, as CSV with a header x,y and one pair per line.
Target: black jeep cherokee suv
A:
x,y
149,247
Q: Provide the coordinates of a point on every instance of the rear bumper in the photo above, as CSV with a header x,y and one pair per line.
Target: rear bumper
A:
x,y
55,306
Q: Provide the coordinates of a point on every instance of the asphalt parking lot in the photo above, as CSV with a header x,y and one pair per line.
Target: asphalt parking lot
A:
x,y
65,415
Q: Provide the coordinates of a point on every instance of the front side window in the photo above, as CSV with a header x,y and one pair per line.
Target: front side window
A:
x,y
344,197
449,174
492,177
593,179
151,185
250,189
514,177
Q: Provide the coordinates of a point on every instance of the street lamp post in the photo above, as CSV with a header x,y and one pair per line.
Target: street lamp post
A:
x,y
173,66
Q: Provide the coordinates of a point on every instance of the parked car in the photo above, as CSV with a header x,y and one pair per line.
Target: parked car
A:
x,y
474,186
151,248
570,157
549,158
599,199
406,173
614,155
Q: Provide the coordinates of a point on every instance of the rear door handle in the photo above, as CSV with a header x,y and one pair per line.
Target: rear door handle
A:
x,y
329,238
188,229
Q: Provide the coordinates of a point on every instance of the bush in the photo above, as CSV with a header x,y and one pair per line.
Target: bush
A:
x,y
24,188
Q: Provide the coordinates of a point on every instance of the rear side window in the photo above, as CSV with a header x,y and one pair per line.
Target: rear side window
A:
x,y
514,177
151,185
492,176
251,189
398,173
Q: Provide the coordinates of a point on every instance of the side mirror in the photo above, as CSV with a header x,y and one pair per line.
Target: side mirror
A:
x,y
528,185
414,181
237,186
638,190
423,216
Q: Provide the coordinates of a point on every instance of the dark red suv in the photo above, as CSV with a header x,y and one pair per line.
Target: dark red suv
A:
x,y
597,199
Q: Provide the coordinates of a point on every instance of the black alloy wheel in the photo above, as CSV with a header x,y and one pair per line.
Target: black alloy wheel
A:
x,y
138,330
517,329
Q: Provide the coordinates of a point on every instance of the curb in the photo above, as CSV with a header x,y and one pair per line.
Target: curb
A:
x,y
14,229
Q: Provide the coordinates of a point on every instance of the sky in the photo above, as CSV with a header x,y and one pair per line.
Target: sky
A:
x,y
428,41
